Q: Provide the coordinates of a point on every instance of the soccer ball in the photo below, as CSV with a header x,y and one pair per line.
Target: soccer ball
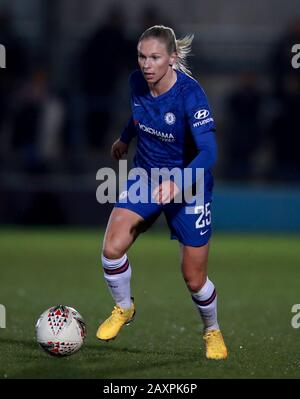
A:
x,y
60,330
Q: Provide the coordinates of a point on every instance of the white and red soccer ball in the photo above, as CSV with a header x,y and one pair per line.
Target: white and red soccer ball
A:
x,y
60,330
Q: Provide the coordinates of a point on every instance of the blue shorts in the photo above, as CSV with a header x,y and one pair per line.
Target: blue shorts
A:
x,y
192,228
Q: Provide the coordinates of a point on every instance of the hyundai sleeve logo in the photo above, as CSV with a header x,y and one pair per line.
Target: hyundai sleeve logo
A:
x,y
201,114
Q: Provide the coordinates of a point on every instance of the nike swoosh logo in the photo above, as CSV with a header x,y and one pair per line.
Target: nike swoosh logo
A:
x,y
137,105
203,232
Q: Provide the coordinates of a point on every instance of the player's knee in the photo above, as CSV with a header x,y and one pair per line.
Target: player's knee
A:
x,y
195,283
113,249
193,286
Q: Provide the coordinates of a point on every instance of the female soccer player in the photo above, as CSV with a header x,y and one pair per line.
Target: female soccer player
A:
x,y
174,127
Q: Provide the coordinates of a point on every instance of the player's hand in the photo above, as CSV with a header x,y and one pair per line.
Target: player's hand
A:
x,y
119,149
165,192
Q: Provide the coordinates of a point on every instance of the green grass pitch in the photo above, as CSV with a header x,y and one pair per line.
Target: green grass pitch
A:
x,y
257,280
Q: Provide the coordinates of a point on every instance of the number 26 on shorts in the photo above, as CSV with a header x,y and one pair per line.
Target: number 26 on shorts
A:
x,y
204,218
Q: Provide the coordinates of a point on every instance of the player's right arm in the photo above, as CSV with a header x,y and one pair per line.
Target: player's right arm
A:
x,y
120,146
119,149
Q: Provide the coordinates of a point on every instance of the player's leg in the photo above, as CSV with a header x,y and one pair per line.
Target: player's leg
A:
x,y
194,262
123,228
194,270
128,219
192,228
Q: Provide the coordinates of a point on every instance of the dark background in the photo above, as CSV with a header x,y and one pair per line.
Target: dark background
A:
x,y
64,99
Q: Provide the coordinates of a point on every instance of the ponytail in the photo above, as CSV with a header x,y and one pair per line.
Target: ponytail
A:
x,y
183,49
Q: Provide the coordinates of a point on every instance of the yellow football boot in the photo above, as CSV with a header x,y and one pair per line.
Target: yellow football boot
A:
x,y
215,345
110,328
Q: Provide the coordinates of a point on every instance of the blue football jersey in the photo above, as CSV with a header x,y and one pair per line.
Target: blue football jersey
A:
x,y
171,129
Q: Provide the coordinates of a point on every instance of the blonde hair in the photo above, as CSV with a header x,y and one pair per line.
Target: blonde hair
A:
x,y
182,46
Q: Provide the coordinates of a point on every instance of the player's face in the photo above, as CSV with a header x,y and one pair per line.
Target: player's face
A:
x,y
154,59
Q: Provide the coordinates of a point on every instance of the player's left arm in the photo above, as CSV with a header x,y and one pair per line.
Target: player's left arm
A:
x,y
207,151
207,154
202,126
165,192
